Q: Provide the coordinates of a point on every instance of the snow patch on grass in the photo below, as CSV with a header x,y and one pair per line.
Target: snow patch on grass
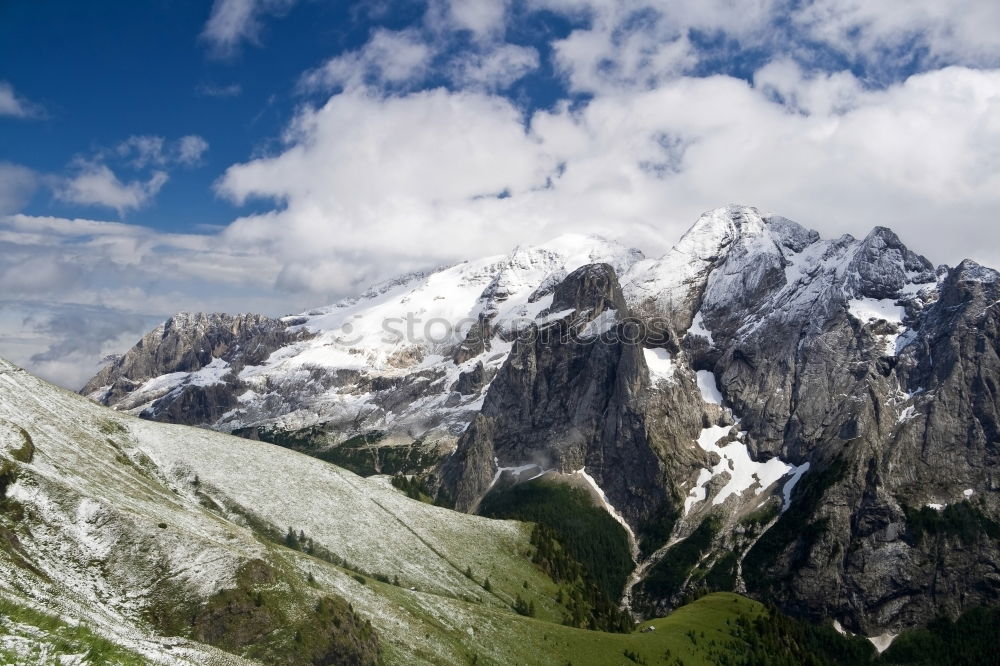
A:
x,y
118,517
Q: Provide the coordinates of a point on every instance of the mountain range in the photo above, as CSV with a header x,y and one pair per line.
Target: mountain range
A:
x,y
808,422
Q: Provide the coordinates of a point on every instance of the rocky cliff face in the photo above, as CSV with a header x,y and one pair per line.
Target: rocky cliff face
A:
x,y
567,399
812,421
858,358
186,370
902,521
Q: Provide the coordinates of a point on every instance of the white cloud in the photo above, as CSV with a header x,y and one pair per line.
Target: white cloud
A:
x,y
234,21
95,184
484,19
414,182
12,104
388,58
17,183
399,60
909,157
634,44
190,149
628,44
72,291
144,150
494,69
821,93
966,31
92,182
407,177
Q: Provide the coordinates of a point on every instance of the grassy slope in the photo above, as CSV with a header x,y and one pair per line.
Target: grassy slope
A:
x,y
593,537
503,638
96,471
31,636
705,618
115,513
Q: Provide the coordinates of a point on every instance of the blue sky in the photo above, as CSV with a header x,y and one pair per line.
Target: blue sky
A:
x,y
272,155
103,72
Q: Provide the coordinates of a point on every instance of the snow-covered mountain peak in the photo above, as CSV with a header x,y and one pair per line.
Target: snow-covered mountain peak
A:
x,y
580,249
736,266
717,229
740,237
365,359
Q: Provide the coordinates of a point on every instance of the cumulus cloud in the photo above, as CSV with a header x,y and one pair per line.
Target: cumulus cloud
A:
x,y
819,92
12,104
494,69
401,60
640,43
17,183
484,19
233,22
97,185
909,157
389,58
423,177
458,41
344,189
92,182
190,149
962,30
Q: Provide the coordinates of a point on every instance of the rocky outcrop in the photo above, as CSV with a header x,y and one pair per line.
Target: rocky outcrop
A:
x,y
575,394
474,380
189,344
855,357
